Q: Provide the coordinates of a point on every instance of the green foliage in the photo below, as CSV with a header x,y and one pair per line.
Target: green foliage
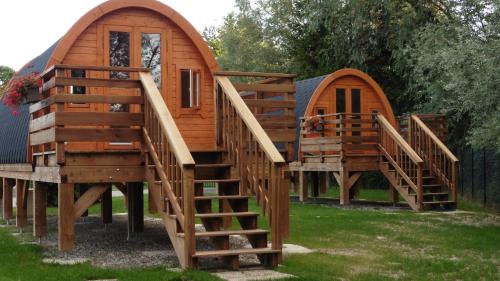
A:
x,y
6,74
429,56
456,71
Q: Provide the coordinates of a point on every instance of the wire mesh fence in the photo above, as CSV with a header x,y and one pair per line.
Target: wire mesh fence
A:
x,y
479,176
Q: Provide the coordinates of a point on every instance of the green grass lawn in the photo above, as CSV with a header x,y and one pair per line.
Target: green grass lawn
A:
x,y
350,245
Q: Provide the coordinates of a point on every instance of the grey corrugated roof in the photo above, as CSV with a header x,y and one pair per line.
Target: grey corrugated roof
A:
x,y
14,129
304,91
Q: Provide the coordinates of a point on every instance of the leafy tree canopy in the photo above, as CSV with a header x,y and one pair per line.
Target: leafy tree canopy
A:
x,y
6,74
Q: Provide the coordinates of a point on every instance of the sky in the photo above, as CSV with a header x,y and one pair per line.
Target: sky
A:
x,y
29,27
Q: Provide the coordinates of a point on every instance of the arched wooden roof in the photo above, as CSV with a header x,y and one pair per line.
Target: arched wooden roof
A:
x,y
112,5
356,73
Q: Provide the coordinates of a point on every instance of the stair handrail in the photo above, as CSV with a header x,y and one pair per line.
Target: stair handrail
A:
x,y
401,155
172,158
259,163
439,159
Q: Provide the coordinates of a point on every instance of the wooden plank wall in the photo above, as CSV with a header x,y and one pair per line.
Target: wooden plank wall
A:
x,y
197,126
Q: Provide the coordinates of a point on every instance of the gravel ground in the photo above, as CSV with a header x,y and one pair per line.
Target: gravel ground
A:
x,y
108,246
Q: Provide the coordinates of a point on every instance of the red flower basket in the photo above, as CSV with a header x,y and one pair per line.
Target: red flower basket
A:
x,y
23,90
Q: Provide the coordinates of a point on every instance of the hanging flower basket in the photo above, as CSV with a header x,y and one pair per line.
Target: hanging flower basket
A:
x,y
23,90
314,124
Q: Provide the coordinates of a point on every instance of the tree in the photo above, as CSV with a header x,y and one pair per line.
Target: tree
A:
x,y
6,74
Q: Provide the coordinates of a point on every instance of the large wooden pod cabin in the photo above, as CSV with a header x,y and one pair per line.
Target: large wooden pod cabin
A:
x,y
346,126
131,94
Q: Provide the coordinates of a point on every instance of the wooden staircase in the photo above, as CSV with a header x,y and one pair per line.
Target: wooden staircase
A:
x,y
422,170
186,186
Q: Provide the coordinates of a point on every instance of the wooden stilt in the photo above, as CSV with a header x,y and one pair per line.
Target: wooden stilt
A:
x,y
8,184
344,187
107,206
21,203
303,185
39,209
66,222
393,194
135,207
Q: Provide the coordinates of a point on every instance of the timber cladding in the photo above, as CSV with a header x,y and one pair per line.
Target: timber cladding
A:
x,y
175,47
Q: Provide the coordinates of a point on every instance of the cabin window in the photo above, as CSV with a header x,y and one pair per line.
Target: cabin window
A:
x,y
119,53
190,88
340,100
151,55
77,90
356,101
356,108
320,111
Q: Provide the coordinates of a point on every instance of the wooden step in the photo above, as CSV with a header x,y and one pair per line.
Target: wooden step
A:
x,y
229,233
235,252
212,171
223,215
217,197
218,181
438,202
430,194
213,165
207,156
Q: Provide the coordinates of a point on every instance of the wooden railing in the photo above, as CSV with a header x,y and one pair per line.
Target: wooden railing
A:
x,y
259,163
62,118
172,161
271,98
338,134
408,165
438,158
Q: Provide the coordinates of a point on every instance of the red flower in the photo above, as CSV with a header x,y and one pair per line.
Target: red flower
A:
x,y
19,90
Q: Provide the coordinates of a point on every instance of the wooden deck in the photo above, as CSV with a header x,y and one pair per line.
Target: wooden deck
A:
x,y
421,168
71,149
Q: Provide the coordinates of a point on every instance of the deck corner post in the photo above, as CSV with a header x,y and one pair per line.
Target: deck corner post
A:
x,y
344,187
107,206
21,203
135,207
66,221
7,199
39,209
189,220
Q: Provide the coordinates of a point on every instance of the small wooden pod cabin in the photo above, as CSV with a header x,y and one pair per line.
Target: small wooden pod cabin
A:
x,y
346,126
132,94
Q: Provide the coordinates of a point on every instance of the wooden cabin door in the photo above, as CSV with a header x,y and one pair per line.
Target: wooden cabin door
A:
x,y
347,100
127,46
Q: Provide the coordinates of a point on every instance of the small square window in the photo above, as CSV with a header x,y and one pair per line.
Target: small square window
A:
x,y
190,88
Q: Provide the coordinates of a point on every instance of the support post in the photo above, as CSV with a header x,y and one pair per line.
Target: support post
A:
x,y
393,194
66,221
303,186
152,208
107,206
39,209
315,184
21,203
344,187
135,207
8,184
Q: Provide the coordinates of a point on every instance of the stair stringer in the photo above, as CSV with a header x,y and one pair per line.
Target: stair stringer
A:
x,y
178,242
410,200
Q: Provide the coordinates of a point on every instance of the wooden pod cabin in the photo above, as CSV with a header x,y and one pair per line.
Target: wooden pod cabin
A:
x,y
131,94
347,127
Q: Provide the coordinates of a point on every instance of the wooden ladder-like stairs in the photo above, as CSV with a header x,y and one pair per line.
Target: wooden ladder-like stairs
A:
x,y
436,197
223,212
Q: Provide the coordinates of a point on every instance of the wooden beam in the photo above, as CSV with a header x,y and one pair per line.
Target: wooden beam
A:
x,y
135,206
262,103
254,74
96,134
21,203
275,88
107,206
88,198
66,221
84,174
303,186
39,209
8,184
94,82
344,187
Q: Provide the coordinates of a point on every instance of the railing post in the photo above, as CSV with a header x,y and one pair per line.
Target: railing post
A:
x,y
454,181
420,191
189,206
